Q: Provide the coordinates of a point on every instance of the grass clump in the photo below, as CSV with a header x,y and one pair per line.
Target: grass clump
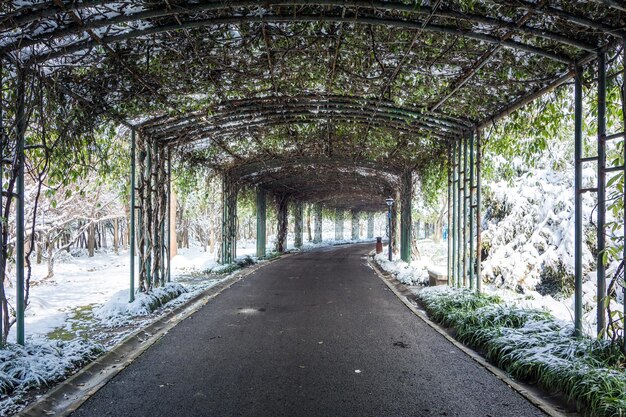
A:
x,y
535,347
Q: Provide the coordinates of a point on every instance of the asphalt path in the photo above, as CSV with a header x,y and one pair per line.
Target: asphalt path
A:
x,y
315,334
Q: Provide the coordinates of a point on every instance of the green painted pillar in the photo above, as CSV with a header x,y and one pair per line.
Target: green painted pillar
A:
x,y
356,217
449,225
578,204
298,223
472,223
317,214
338,224
229,220
133,150
20,131
261,222
601,213
282,214
406,221
370,225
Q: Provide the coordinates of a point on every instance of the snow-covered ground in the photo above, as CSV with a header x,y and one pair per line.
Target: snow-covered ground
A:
x,y
433,257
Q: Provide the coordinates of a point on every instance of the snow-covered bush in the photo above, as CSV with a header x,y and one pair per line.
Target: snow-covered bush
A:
x,y
533,346
118,311
40,364
529,232
409,274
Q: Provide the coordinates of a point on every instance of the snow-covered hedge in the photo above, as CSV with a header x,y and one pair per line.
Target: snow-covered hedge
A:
x,y
118,311
40,364
533,346
410,274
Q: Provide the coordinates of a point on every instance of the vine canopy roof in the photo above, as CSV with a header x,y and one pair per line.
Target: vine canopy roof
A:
x,y
314,98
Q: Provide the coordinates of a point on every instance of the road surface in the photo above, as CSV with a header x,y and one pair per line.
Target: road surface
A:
x,y
315,334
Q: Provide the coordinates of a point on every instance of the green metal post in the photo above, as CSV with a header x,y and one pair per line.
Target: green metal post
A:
x,y
147,232
370,225
578,201
169,214
3,143
601,296
460,221
20,130
355,224
624,191
317,237
298,223
453,230
338,224
471,210
448,236
261,222
405,218
156,239
224,209
465,201
479,280
133,150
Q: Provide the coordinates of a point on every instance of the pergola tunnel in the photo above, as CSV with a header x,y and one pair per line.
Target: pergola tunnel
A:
x,y
325,106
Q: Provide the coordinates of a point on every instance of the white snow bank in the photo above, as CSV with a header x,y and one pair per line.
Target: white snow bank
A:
x,y
118,311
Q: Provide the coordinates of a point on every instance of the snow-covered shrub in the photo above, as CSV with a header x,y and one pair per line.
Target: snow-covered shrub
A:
x,y
40,364
118,311
529,234
410,274
533,346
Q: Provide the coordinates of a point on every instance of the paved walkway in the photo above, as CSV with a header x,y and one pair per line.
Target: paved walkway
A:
x,y
316,334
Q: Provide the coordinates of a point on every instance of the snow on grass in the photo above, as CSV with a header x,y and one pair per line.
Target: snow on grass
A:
x,y
534,346
118,311
432,256
39,364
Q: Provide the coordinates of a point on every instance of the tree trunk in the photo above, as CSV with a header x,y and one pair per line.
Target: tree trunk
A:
x,y
115,236
91,239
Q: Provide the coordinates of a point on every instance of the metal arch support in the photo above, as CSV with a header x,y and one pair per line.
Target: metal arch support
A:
x,y
406,221
261,222
375,21
386,6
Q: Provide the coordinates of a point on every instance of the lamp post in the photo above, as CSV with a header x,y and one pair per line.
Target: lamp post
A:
x,y
389,202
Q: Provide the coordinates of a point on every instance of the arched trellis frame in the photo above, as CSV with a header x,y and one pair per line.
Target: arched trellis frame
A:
x,y
49,40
